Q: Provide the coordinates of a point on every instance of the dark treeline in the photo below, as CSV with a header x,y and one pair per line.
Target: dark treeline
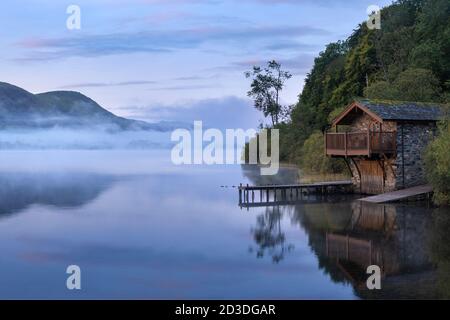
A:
x,y
407,59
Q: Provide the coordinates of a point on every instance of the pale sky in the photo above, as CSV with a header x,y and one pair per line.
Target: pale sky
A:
x,y
155,59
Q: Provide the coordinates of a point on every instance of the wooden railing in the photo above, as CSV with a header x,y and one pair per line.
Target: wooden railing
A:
x,y
360,143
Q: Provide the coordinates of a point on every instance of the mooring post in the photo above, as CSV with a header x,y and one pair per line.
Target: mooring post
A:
x,y
240,193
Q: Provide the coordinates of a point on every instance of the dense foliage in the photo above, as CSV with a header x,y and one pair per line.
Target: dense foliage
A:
x,y
437,160
313,159
265,90
407,59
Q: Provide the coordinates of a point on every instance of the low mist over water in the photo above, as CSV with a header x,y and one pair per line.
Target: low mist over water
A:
x,y
140,227
82,139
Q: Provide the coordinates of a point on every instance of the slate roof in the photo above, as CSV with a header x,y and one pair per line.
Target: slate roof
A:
x,y
413,111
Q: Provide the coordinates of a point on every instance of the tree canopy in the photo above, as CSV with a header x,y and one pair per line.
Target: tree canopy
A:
x,y
265,89
407,59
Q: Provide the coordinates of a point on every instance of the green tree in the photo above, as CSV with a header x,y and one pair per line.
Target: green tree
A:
x,y
437,164
381,90
416,84
413,84
313,159
266,87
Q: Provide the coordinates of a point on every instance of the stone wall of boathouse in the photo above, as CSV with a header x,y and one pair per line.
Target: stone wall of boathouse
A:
x,y
412,140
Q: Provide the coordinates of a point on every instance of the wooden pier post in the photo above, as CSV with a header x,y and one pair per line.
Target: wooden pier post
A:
x,y
240,193
286,192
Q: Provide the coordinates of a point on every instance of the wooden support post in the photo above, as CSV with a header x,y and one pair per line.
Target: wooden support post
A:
x,y
347,247
247,194
240,194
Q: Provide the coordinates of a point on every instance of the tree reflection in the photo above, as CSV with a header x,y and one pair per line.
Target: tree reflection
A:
x,y
440,249
268,235
20,190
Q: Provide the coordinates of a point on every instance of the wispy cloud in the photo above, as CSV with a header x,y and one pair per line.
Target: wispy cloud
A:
x,y
106,84
252,38
166,17
298,64
188,78
196,77
185,87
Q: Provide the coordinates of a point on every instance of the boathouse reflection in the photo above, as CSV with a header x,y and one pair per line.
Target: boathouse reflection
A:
x,y
394,237
347,236
370,238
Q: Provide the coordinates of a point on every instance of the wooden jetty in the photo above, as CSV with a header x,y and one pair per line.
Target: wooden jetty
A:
x,y
273,195
399,195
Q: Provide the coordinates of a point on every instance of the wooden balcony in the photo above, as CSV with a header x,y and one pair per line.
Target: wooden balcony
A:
x,y
360,143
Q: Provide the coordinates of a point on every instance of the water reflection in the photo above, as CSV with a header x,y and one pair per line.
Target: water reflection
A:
x,y
407,241
20,190
268,235
440,250
177,234
393,237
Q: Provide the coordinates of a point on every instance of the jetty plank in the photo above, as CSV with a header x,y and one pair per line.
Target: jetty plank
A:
x,y
399,194
298,185
283,194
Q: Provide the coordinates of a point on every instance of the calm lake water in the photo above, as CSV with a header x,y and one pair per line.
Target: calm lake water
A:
x,y
140,227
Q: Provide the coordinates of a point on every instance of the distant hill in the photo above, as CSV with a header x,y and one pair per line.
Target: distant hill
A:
x,y
64,109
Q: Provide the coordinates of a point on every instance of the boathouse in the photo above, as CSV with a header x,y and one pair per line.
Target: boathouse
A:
x,y
383,143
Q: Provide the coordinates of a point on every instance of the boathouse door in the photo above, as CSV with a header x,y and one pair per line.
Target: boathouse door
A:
x,y
372,180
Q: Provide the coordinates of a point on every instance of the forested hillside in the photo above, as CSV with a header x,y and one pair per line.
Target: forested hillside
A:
x,y
408,59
